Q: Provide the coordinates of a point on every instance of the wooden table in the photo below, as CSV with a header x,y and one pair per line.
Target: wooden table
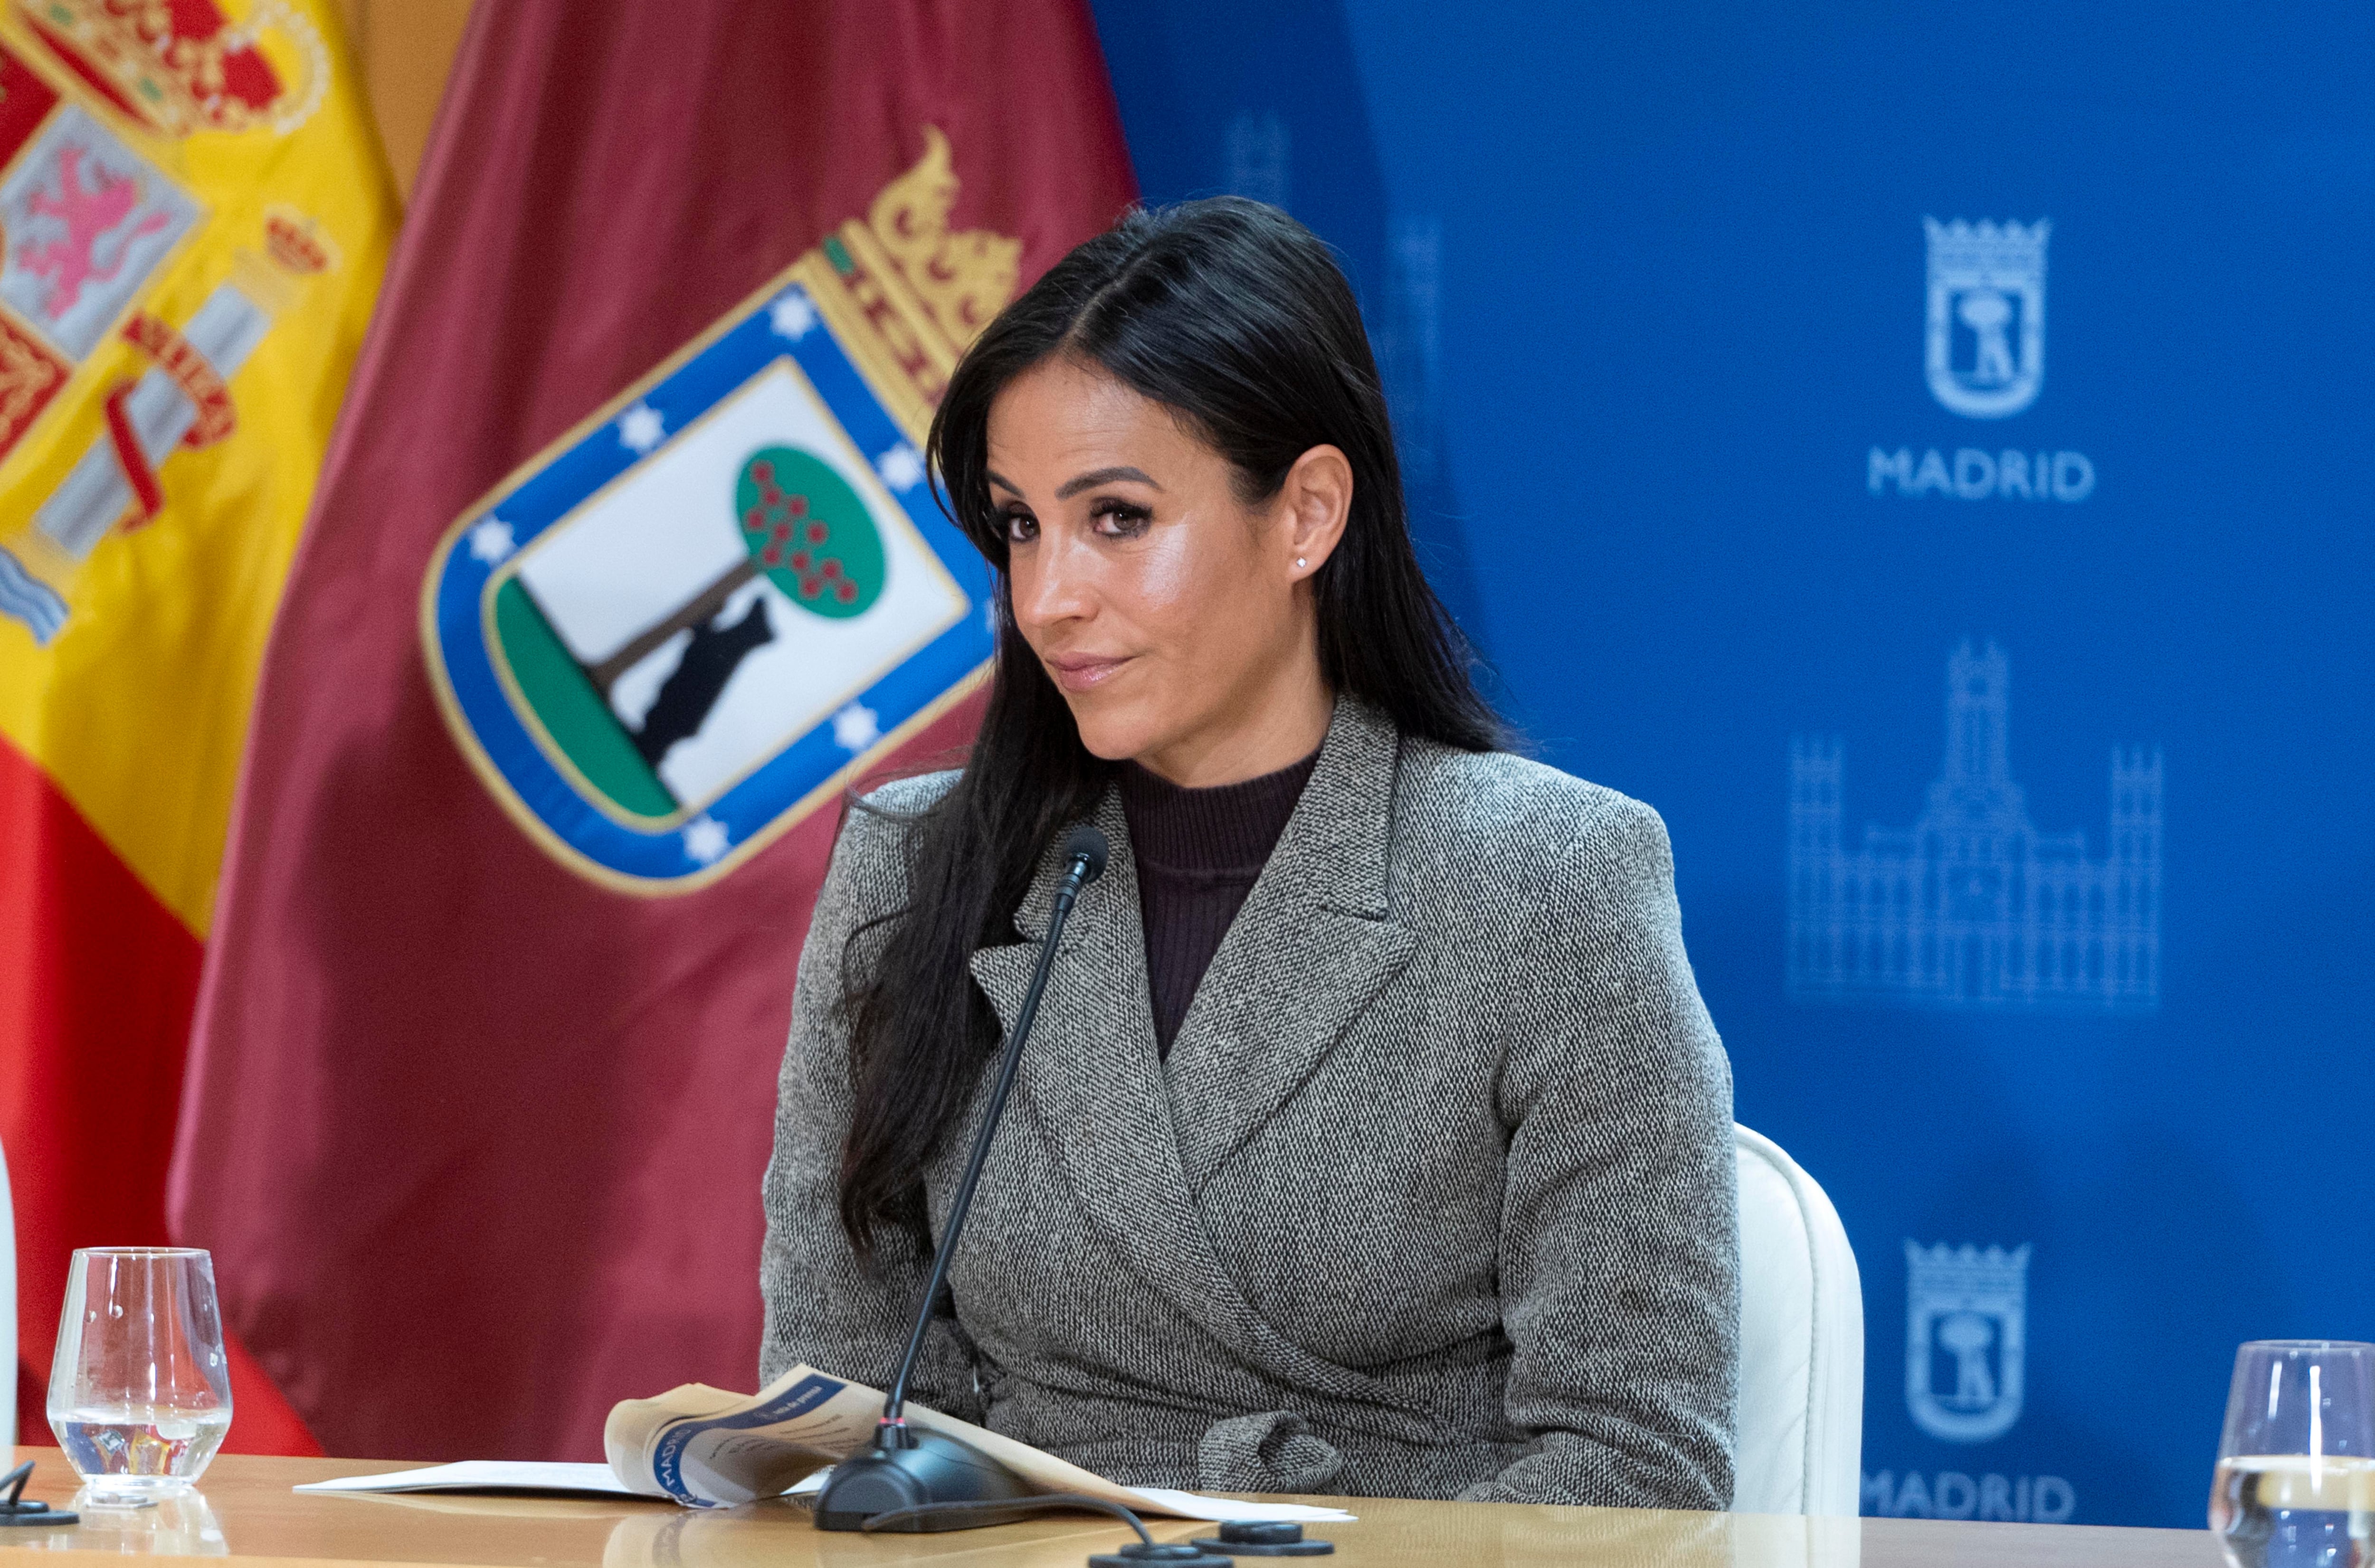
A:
x,y
244,1509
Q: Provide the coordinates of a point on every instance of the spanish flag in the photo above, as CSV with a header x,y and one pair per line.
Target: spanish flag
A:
x,y
194,218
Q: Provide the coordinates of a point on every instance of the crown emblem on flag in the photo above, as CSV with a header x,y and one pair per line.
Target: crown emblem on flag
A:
x,y
182,66
964,277
909,291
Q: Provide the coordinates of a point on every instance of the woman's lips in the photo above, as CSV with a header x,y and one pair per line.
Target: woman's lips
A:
x,y
1083,672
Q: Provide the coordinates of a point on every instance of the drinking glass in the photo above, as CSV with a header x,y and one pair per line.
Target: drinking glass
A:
x,y
2295,1486
139,1393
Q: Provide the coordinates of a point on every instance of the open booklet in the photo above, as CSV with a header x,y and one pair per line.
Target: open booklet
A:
x,y
709,1448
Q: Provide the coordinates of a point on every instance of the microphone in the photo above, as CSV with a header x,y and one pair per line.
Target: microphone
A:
x,y
910,1473
1086,849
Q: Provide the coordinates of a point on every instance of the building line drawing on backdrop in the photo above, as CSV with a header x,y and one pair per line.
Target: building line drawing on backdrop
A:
x,y
1972,907
1260,155
1983,345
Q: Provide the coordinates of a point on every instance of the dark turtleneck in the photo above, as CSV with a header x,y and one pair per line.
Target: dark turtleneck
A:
x,y
1198,852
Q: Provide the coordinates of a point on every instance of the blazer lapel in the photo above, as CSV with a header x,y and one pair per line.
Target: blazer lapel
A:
x,y
1314,944
1091,1081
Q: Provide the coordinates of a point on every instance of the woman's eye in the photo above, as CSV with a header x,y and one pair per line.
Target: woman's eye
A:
x,y
1021,527
1119,519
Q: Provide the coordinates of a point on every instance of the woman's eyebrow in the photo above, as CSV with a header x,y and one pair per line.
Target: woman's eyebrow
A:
x,y
1080,482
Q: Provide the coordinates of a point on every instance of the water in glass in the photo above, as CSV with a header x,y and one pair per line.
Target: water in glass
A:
x,y
140,1392
2295,1486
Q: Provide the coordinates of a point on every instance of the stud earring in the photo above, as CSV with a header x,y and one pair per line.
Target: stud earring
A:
x,y
1298,564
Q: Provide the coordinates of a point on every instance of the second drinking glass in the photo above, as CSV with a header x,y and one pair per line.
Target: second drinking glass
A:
x,y
2295,1486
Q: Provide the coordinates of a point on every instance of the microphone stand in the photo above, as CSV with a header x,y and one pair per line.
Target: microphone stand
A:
x,y
908,1472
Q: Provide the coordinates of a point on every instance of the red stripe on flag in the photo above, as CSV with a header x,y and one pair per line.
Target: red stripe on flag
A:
x,y
96,982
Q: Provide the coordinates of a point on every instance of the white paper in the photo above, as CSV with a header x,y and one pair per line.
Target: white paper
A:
x,y
1229,1511
481,1475
484,1475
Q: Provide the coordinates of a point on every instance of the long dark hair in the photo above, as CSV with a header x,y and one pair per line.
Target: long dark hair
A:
x,y
1237,318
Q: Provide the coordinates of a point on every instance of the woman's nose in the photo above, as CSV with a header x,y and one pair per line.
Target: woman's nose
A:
x,y
1052,588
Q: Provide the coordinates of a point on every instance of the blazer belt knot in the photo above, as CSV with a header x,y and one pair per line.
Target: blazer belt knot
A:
x,y
1273,1451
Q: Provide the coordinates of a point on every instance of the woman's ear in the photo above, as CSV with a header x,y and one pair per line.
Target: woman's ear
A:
x,y
1316,499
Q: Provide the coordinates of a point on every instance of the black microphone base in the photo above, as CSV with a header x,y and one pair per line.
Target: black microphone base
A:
x,y
929,1469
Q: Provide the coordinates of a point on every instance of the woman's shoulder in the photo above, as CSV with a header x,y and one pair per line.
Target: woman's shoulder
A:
x,y
906,797
1524,810
1482,831
870,858
877,822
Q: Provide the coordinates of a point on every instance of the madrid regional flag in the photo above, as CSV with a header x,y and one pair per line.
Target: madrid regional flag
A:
x,y
194,217
627,566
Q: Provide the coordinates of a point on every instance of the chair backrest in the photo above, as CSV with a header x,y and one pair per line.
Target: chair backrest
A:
x,y
7,1317
1800,1443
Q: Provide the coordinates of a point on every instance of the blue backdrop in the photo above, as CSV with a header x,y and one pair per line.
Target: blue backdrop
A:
x,y
2015,791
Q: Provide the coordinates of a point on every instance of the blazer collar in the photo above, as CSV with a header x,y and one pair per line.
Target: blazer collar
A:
x,y
1314,944
1140,1137
1336,851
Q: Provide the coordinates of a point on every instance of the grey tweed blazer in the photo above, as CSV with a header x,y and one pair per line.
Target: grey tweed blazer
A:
x,y
1432,1196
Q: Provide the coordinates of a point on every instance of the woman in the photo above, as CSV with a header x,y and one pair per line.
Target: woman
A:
x,y
1372,1137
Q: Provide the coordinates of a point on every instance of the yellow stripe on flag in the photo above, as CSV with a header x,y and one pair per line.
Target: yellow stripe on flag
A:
x,y
193,220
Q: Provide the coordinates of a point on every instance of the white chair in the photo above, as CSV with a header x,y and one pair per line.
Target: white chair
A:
x,y
7,1317
1800,1447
